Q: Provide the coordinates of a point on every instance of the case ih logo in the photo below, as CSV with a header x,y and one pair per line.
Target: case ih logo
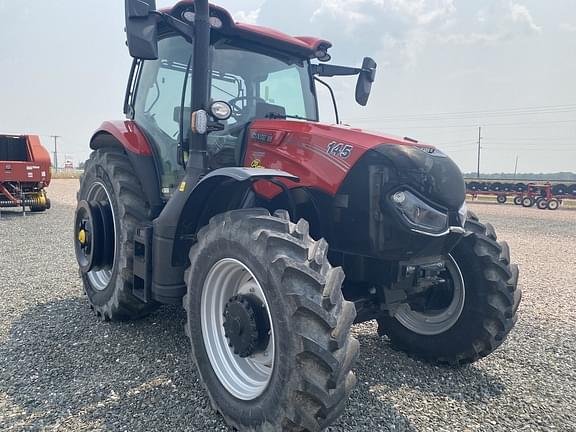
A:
x,y
262,137
432,151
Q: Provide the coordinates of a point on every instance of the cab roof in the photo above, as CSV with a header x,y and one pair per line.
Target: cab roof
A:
x,y
301,46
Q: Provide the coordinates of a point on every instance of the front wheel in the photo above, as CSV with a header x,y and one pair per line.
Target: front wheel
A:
x,y
472,313
268,325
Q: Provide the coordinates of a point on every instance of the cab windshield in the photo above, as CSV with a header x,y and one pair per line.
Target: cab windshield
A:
x,y
259,85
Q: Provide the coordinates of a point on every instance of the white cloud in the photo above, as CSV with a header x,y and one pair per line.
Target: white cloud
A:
x,y
502,22
400,29
249,17
522,16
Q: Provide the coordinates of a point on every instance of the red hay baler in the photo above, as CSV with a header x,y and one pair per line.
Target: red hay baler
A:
x,y
24,172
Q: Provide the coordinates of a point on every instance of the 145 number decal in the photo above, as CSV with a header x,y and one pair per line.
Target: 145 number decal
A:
x,y
340,150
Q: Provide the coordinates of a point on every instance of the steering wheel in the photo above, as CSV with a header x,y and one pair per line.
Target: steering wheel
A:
x,y
237,109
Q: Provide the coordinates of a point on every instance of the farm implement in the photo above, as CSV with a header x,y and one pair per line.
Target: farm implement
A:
x,y
24,173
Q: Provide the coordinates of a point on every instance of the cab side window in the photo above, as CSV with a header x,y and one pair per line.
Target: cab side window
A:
x,y
158,103
278,89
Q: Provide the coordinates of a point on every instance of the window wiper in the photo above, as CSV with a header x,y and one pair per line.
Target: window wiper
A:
x,y
278,116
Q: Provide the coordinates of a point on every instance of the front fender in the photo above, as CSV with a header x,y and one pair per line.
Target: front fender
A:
x,y
189,201
190,208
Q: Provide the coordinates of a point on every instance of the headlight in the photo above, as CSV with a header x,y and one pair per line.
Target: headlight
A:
x,y
419,214
463,213
221,110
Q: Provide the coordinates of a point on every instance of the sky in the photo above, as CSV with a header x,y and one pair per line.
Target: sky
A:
x,y
446,68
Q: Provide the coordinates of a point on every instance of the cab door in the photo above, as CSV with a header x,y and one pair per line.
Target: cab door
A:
x,y
162,98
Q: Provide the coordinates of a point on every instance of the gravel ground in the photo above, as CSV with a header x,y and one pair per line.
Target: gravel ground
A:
x,y
62,369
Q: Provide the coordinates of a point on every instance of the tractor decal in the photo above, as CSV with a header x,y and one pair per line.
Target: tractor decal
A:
x,y
340,150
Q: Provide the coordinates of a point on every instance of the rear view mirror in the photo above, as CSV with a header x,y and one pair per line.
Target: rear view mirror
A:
x,y
365,80
141,29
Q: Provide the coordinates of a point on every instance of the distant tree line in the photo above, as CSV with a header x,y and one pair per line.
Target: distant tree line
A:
x,y
559,176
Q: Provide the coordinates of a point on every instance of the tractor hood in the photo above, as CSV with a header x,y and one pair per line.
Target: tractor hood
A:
x,y
359,138
325,156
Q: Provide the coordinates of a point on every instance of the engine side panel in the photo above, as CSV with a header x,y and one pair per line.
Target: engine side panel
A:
x,y
320,155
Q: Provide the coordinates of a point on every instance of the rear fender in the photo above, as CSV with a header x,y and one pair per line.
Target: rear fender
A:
x,y
127,135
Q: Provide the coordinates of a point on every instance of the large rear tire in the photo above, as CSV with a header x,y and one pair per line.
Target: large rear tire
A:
x,y
490,304
108,179
299,377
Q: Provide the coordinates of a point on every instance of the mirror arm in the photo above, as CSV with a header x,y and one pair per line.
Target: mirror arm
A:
x,y
186,30
327,70
325,84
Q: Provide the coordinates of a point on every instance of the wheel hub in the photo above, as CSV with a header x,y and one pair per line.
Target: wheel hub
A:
x,y
437,309
94,235
246,325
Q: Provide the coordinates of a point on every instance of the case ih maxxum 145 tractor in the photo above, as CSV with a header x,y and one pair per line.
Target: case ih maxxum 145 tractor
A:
x,y
222,190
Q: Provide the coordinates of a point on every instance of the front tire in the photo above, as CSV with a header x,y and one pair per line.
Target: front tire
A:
x,y
108,179
304,384
489,312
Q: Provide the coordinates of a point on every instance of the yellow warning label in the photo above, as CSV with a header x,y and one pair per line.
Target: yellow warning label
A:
x,y
257,163
182,187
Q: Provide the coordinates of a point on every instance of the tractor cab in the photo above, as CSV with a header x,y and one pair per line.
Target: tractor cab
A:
x,y
249,84
252,72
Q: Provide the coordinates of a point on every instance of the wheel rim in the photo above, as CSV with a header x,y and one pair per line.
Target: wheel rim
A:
x,y
244,378
100,279
437,322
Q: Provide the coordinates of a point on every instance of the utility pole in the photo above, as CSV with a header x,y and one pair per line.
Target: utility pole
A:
x,y
55,151
479,148
516,167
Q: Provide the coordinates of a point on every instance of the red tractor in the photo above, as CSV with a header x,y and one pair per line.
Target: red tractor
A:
x,y
223,191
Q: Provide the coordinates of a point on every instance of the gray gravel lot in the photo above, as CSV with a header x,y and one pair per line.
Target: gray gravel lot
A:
x,y
62,369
